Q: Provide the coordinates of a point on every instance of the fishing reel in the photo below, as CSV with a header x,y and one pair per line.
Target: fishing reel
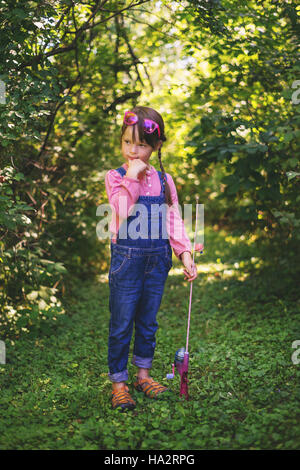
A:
x,y
178,361
181,363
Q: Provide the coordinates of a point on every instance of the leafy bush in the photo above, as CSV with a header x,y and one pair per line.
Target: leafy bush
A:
x,y
27,278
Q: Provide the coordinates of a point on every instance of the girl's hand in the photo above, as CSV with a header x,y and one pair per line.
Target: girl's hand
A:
x,y
199,247
191,269
136,168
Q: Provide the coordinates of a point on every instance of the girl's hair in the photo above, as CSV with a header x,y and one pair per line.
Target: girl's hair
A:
x,y
144,112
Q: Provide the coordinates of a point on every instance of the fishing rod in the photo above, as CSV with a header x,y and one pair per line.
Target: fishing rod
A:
x,y
181,361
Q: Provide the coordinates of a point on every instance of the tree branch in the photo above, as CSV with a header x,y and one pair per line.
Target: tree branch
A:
x,y
86,26
122,99
58,106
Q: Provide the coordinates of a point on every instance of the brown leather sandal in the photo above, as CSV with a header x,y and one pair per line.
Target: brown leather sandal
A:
x,y
150,388
122,399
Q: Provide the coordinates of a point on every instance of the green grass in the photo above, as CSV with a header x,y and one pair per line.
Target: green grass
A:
x,y
244,387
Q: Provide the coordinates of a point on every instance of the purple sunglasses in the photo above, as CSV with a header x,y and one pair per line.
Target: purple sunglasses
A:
x,y
131,118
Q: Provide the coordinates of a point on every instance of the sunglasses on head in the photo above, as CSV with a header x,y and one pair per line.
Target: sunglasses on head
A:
x,y
150,126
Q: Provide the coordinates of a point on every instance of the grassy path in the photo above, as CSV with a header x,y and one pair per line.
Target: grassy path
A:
x,y
244,386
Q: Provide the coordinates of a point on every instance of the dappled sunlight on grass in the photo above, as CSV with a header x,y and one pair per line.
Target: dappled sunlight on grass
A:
x,y
214,271
235,240
102,278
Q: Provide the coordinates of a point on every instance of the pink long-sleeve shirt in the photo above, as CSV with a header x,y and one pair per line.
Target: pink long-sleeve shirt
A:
x,y
131,189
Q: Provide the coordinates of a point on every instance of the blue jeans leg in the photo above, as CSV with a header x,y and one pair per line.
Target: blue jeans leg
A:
x,y
123,302
145,319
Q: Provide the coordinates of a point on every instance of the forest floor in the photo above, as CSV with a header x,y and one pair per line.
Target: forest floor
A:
x,y
243,376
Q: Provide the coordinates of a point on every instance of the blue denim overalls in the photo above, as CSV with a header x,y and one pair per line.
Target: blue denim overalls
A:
x,y
138,271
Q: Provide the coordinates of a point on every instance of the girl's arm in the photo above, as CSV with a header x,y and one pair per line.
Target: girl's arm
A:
x,y
122,193
179,239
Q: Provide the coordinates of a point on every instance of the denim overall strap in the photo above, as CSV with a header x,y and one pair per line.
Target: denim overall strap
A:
x,y
152,231
122,172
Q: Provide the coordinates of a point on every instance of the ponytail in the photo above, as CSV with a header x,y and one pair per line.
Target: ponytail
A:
x,y
167,190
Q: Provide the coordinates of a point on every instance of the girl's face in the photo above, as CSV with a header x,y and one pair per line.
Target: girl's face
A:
x,y
132,150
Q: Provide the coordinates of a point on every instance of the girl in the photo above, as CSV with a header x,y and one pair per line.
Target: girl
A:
x,y
140,265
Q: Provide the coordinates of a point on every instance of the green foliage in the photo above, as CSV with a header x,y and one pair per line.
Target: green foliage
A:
x,y
56,129
26,278
223,75
248,130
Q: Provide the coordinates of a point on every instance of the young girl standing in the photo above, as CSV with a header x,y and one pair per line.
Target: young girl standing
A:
x,y
139,266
